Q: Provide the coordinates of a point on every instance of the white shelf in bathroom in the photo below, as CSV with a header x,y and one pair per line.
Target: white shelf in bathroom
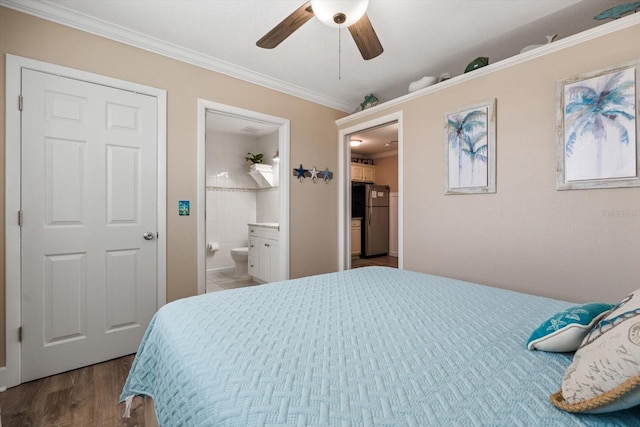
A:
x,y
262,174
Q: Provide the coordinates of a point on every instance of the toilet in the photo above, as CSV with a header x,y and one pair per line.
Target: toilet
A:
x,y
241,257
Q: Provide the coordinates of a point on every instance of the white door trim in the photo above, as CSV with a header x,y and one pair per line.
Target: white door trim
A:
x,y
393,216
344,188
285,178
10,374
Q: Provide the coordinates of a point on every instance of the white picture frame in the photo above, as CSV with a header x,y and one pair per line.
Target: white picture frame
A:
x,y
470,149
597,129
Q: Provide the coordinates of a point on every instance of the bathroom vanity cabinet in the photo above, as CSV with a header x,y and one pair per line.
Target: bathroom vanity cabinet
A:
x,y
264,252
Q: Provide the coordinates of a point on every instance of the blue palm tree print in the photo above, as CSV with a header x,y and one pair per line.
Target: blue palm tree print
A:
x,y
476,149
467,136
596,111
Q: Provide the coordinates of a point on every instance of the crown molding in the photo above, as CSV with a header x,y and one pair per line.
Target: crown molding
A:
x,y
599,31
83,22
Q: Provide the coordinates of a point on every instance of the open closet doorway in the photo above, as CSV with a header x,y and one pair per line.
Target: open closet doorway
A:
x,y
371,194
243,220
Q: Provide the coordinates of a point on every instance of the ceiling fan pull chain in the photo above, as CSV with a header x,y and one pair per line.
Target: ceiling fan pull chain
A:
x,y
340,52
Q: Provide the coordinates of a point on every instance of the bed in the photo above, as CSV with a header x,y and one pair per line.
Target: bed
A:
x,y
364,347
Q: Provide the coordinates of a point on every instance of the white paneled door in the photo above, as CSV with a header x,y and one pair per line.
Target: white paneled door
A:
x,y
89,203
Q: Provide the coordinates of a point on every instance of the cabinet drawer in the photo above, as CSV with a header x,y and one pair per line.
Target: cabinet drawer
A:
x,y
266,232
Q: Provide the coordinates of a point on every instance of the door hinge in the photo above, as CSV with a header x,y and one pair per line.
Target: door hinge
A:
x,y
20,218
20,102
20,334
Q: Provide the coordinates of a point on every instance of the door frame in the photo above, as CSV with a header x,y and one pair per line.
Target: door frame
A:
x,y
344,187
10,375
284,132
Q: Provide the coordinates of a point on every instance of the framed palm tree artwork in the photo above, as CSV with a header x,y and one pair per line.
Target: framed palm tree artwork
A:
x,y
470,149
597,122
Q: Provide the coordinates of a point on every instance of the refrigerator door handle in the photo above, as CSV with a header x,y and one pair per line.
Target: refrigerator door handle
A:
x,y
370,213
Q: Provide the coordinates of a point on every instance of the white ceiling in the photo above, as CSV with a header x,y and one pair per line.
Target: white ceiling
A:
x,y
377,142
420,38
231,123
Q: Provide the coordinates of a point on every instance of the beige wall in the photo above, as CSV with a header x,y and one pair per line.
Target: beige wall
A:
x,y
313,241
387,172
527,236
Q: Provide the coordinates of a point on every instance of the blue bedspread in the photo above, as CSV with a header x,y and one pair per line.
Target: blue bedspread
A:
x,y
367,347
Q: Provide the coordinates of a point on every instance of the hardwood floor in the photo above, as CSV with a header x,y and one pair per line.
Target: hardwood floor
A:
x,y
84,397
384,261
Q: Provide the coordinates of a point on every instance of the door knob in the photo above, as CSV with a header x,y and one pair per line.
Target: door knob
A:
x,y
148,235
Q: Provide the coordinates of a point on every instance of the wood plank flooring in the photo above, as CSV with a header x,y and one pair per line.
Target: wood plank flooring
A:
x,y
383,261
83,397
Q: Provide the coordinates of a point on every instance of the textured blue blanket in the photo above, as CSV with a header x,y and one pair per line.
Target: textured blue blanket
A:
x,y
371,346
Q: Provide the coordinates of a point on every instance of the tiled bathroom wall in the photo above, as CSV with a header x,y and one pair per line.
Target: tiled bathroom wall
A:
x,y
233,198
268,205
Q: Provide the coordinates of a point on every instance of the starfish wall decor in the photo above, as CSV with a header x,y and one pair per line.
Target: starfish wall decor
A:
x,y
301,173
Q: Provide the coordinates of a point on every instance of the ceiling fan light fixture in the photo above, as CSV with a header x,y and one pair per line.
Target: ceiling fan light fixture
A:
x,y
334,13
338,13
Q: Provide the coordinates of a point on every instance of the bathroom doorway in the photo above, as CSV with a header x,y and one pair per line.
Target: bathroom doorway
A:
x,y
244,191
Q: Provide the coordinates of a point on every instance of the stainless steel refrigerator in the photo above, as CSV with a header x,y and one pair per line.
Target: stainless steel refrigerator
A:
x,y
371,203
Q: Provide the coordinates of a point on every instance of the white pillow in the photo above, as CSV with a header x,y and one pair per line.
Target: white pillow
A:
x,y
605,373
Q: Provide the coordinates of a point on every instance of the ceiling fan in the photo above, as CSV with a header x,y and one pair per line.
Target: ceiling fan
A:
x,y
335,13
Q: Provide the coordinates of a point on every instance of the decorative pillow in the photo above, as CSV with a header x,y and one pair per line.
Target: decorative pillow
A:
x,y
605,373
564,331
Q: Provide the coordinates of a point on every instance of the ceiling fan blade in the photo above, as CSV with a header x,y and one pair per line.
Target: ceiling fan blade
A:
x,y
366,38
285,28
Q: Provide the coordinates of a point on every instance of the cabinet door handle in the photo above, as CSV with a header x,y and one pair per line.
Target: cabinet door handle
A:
x,y
267,245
